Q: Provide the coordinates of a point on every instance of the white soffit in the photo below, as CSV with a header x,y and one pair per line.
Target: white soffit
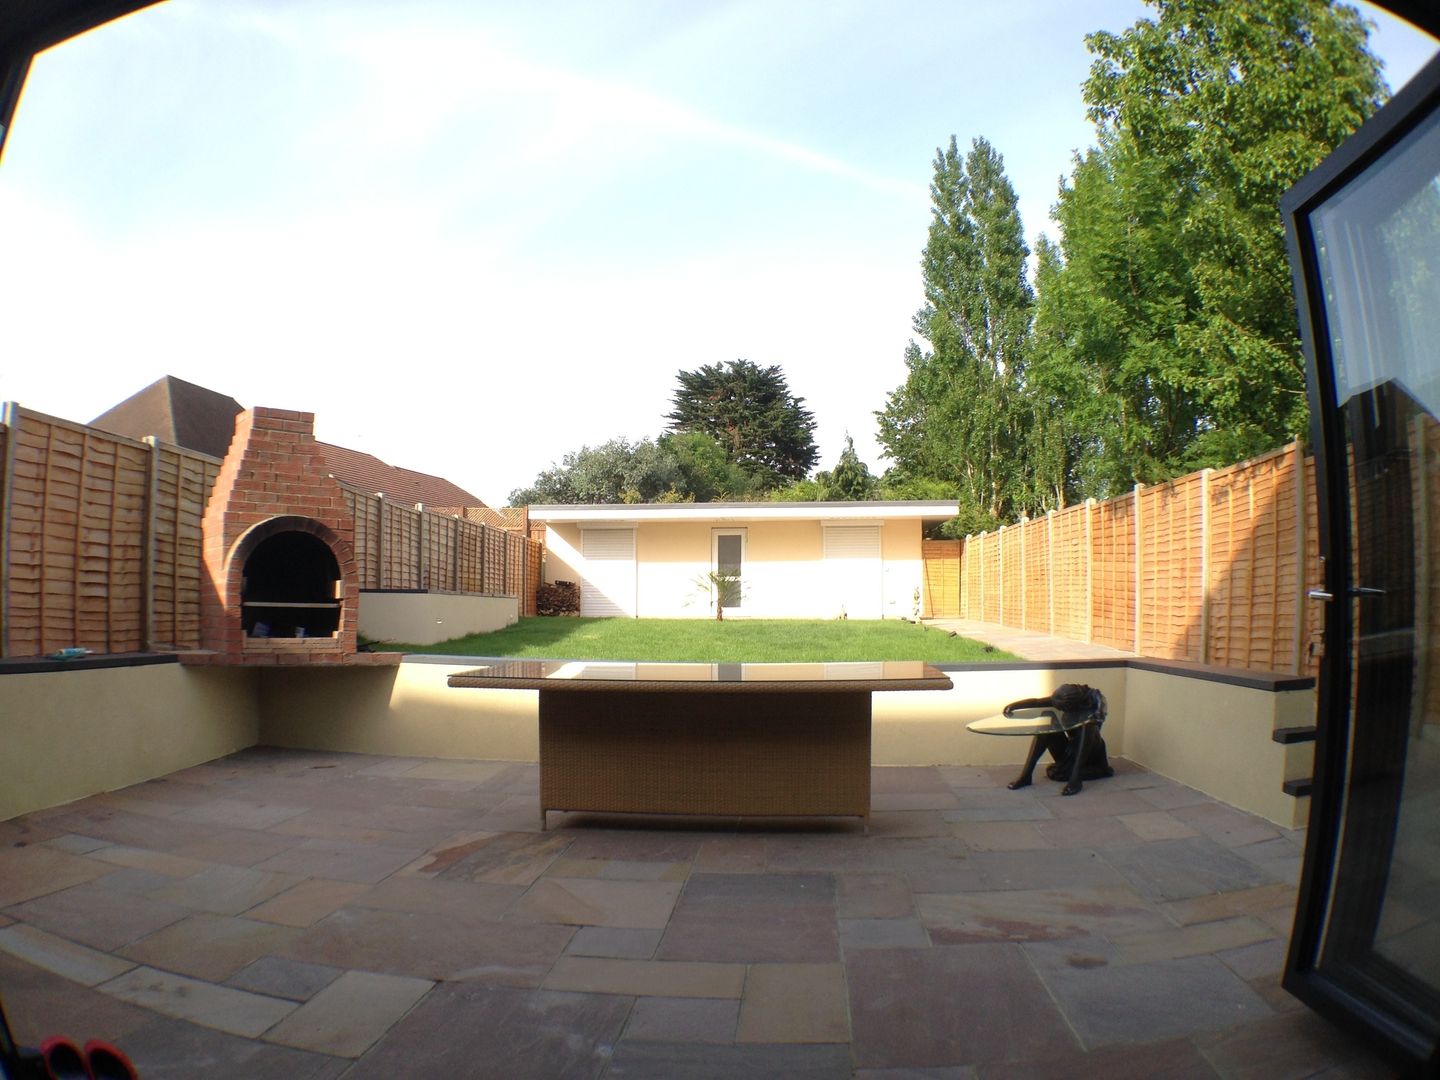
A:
x,y
722,513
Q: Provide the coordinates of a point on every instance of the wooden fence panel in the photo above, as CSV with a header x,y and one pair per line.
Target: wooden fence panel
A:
x,y
1172,558
1068,559
1253,536
1036,575
180,486
366,511
76,538
941,562
994,583
1012,576
1112,573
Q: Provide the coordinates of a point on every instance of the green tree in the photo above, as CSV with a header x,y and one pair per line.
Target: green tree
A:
x,y
703,471
617,471
849,481
958,415
765,429
1169,336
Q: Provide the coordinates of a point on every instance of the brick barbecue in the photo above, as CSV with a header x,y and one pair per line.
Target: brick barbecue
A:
x,y
278,545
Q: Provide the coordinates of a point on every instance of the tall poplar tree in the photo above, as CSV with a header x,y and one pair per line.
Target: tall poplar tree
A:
x,y
1172,321
957,419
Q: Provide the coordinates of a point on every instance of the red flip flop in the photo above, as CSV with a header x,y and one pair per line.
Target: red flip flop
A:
x,y
108,1062
63,1059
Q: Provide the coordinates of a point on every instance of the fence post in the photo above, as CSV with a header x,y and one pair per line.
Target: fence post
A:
x,y
380,575
421,554
7,485
1050,564
1089,569
455,539
1205,565
1024,575
1000,562
981,538
1139,568
147,544
1300,548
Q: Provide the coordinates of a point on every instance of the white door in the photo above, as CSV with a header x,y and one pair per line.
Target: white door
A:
x,y
607,586
852,570
727,550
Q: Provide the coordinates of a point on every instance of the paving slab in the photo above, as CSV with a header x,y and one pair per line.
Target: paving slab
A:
x,y
98,916
340,860
657,978
210,947
455,948
794,1003
168,1049
88,967
351,1014
874,896
1184,869
36,870
1110,1004
1036,914
225,890
237,1012
307,903
667,1061
460,1030
950,1005
616,943
882,933
276,976
629,905
39,1003
683,1020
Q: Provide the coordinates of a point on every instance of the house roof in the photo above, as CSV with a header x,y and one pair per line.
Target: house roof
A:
x,y
369,473
637,513
183,414
176,412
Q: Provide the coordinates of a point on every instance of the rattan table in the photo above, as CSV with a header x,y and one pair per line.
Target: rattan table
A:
x,y
726,740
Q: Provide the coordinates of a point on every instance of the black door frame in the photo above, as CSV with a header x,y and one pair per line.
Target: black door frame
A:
x,y
1334,998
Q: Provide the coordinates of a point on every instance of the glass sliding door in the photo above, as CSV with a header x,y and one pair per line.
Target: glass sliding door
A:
x,y
1365,243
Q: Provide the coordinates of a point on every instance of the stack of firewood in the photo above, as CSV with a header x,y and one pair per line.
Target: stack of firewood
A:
x,y
557,598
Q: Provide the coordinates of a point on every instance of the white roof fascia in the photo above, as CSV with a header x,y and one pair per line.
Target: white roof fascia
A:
x,y
832,512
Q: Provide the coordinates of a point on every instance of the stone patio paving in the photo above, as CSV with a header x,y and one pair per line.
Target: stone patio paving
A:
x,y
308,915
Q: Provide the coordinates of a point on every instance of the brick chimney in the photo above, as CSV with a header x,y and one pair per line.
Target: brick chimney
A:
x,y
279,550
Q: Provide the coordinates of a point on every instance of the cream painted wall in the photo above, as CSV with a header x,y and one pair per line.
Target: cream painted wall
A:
x,y
69,734
407,710
671,561
74,733
784,574
425,618
928,727
904,572
1216,738
562,553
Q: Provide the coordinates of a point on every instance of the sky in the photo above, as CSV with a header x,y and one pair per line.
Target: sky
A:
x,y
473,237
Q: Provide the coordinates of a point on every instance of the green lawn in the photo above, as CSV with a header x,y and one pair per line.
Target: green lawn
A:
x,y
706,640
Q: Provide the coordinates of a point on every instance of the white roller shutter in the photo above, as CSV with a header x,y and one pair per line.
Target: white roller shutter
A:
x,y
607,586
853,569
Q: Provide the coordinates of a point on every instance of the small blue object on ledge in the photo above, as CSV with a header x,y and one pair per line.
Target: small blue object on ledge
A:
x,y
71,653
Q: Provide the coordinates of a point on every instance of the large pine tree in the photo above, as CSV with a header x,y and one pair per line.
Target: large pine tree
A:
x,y
749,410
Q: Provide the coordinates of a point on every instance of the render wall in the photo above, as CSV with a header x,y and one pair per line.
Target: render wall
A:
x,y
423,618
784,577
73,732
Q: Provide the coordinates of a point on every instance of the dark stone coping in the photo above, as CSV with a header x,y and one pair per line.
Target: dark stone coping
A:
x,y
30,665
1272,681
